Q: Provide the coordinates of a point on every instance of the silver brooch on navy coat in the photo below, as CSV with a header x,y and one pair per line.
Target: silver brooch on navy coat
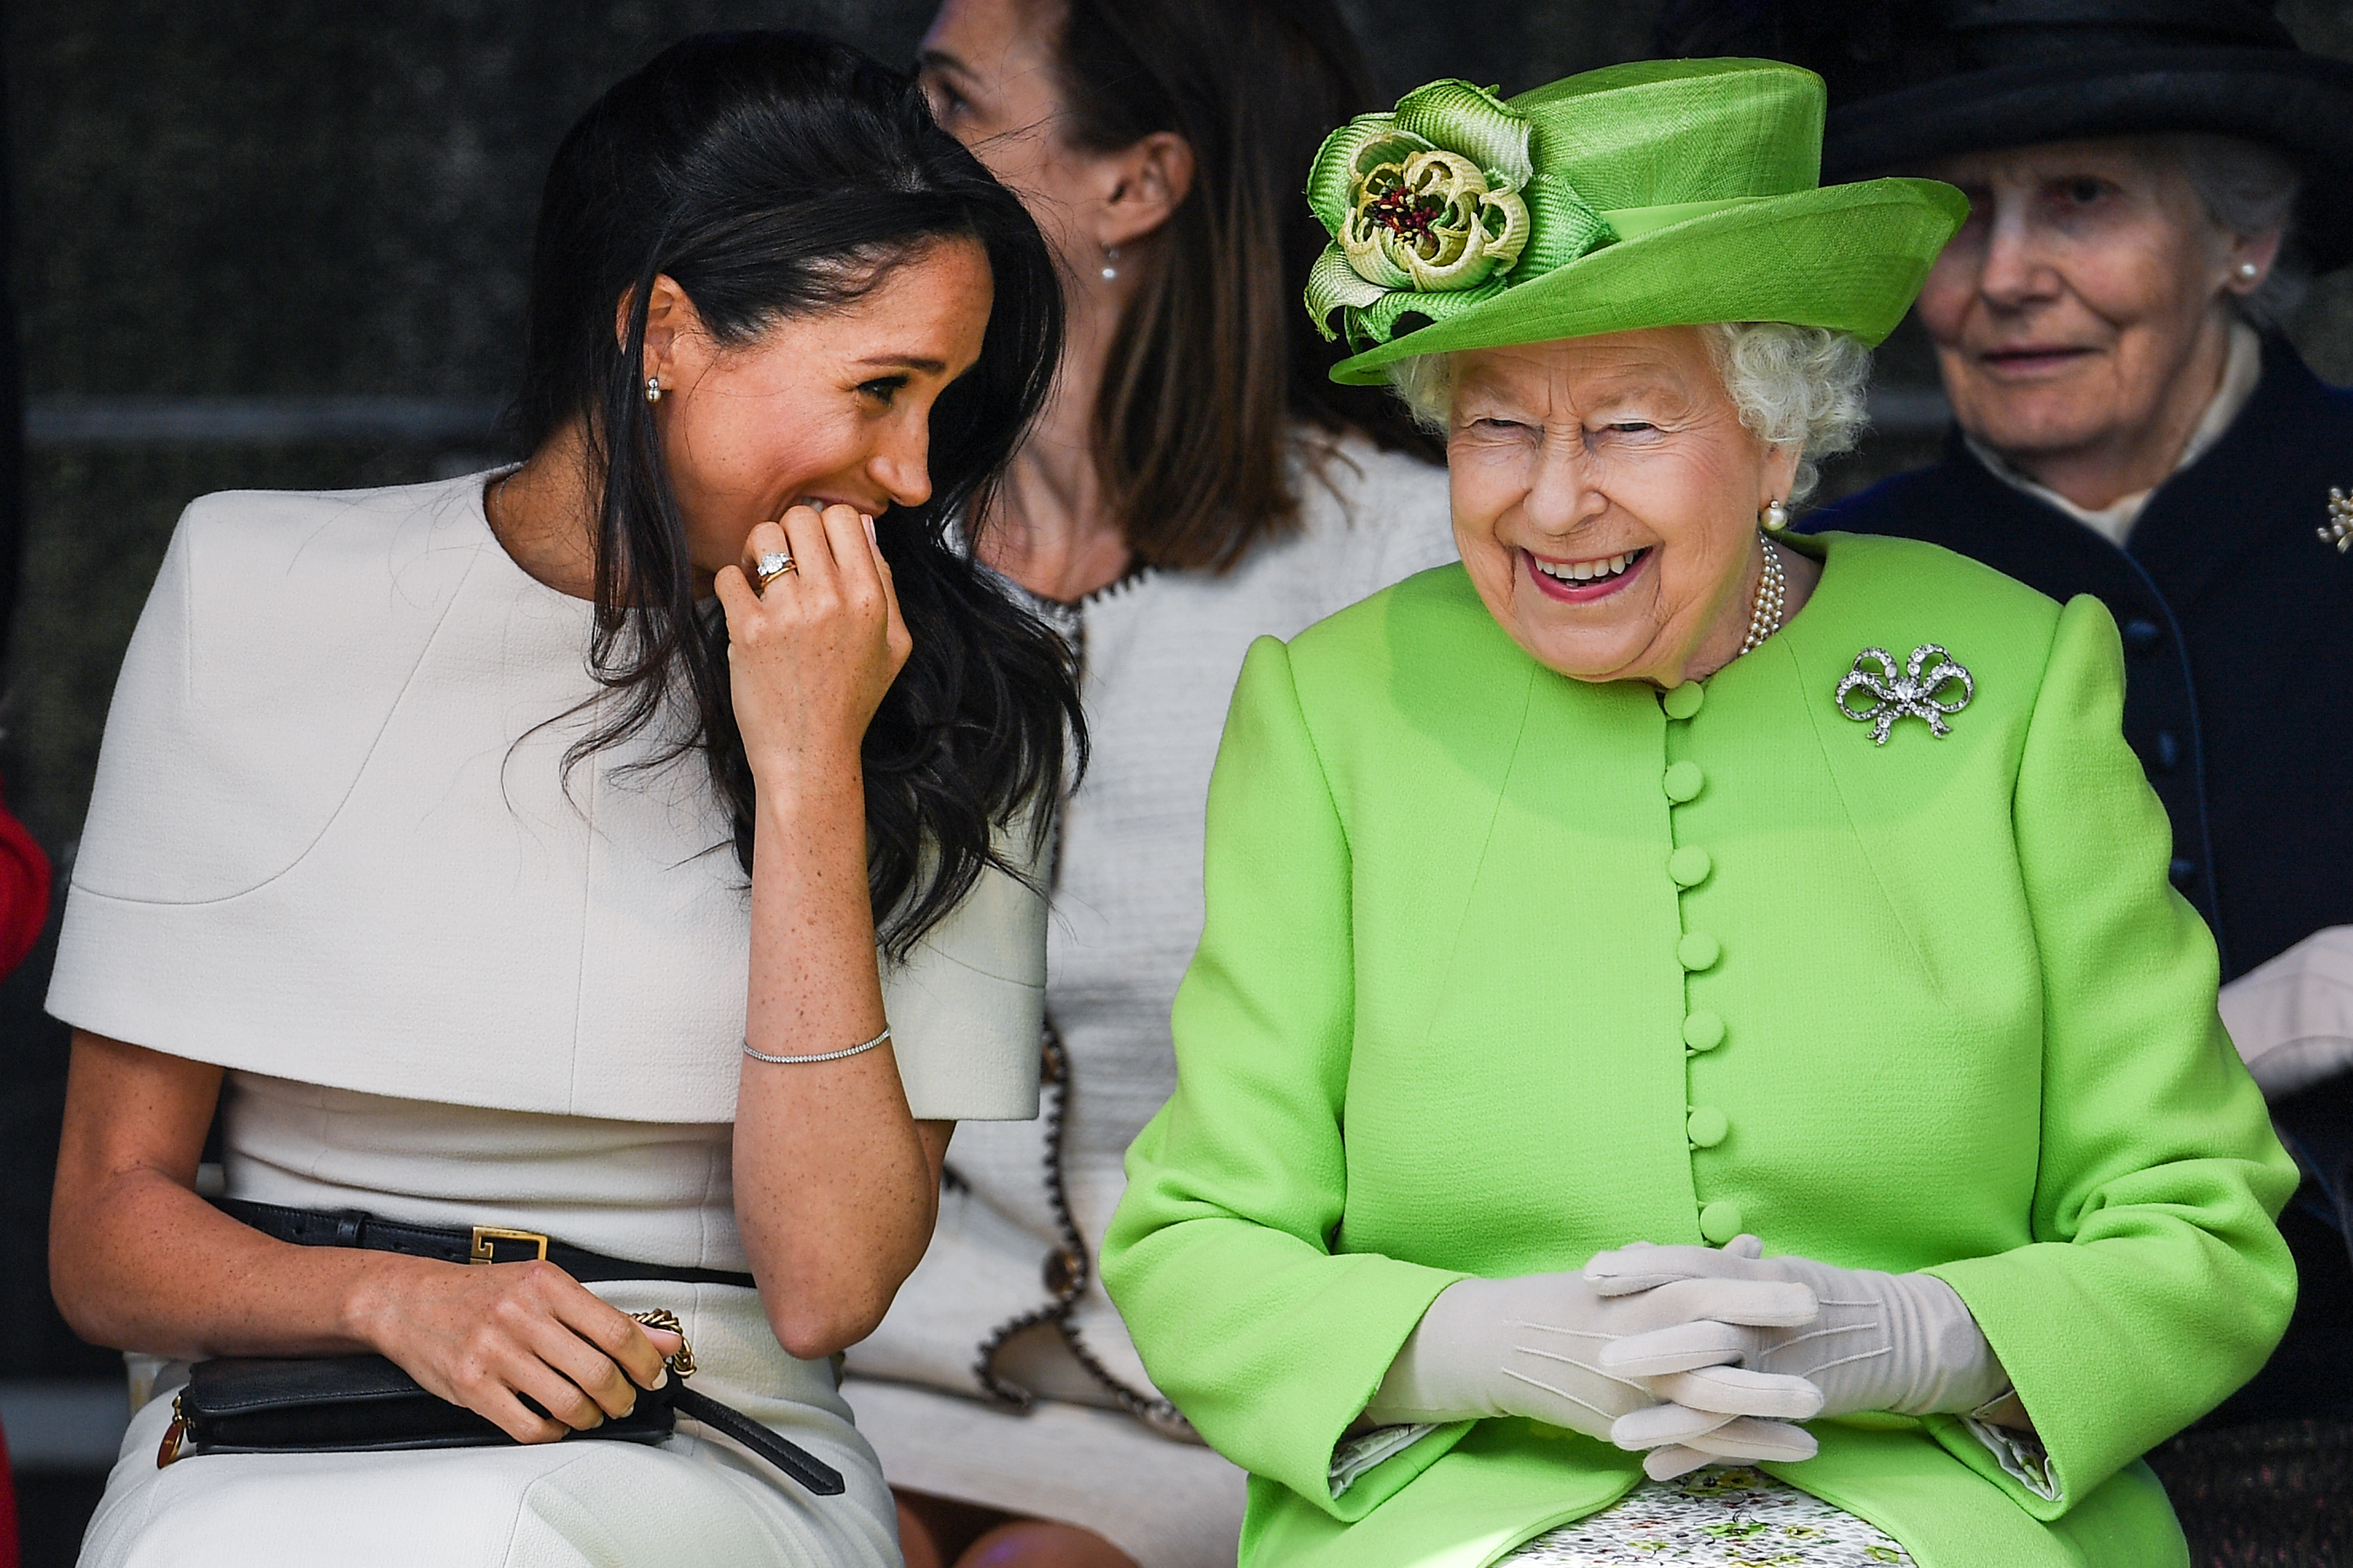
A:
x,y
2339,531
1923,688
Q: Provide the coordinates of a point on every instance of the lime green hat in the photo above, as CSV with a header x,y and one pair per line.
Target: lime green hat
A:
x,y
1666,193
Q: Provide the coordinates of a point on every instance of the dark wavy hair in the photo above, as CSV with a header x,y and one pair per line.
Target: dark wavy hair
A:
x,y
778,174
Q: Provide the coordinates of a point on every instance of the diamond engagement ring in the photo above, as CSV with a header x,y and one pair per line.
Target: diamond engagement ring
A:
x,y
770,565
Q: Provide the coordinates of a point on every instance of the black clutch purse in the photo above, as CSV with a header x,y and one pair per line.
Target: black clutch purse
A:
x,y
366,1403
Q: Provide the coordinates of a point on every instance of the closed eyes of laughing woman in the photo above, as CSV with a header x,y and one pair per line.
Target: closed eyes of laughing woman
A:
x,y
629,849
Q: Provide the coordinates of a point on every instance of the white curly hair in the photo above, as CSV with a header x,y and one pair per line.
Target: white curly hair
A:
x,y
1802,386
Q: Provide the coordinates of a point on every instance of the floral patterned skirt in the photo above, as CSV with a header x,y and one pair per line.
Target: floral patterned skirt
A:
x,y
1722,1517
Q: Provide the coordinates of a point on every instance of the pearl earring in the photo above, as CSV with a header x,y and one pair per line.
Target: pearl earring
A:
x,y
1111,255
2248,271
653,389
1777,517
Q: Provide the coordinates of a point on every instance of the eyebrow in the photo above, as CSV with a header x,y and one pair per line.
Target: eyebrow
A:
x,y
942,61
907,362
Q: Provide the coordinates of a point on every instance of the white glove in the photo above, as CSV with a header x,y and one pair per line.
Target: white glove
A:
x,y
1903,1342
1530,1347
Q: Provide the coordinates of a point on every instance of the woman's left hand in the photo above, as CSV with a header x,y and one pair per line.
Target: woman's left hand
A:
x,y
810,658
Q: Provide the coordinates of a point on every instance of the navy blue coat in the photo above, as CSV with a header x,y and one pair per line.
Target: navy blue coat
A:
x,y
2238,630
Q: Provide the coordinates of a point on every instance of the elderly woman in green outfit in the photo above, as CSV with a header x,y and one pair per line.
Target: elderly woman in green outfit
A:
x,y
1654,880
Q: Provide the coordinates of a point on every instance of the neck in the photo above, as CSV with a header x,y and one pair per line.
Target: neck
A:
x,y
544,514
2101,473
1051,530
1728,629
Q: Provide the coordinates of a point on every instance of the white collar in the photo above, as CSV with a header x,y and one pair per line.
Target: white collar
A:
x,y
2240,372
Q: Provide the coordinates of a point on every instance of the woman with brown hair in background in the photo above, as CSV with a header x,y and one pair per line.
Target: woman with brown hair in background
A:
x,y
1196,483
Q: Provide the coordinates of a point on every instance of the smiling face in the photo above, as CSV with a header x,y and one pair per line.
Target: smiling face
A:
x,y
833,407
1605,496
2079,315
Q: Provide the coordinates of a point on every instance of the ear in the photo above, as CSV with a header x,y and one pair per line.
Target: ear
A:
x,y
1779,472
1147,182
670,317
2256,250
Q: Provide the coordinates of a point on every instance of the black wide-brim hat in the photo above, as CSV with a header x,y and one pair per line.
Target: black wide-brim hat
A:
x,y
1911,82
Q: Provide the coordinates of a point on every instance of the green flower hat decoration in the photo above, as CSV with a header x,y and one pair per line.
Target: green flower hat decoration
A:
x,y
1425,206
1663,193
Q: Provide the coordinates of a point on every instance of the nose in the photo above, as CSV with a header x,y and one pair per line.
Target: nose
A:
x,y
2017,269
1562,492
900,461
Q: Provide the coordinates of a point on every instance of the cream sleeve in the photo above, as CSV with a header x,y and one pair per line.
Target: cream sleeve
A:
x,y
968,1005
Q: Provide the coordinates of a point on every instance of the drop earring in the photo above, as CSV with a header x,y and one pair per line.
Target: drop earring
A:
x,y
1110,268
653,389
1777,517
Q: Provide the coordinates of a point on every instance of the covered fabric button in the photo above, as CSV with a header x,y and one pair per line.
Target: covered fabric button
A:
x,y
1721,1221
1706,1126
1682,781
1704,1030
1698,951
1683,700
1689,866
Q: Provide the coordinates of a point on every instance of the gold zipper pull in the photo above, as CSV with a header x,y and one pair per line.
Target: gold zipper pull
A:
x,y
174,1435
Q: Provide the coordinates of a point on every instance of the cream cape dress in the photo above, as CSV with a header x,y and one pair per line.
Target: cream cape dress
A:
x,y
333,848
1161,652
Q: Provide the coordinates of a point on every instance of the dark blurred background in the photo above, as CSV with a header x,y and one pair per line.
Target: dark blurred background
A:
x,y
284,246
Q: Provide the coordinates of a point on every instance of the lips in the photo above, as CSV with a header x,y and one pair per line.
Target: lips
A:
x,y
1581,581
2030,358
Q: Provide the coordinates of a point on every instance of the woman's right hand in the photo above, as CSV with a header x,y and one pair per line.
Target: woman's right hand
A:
x,y
490,1337
1533,1346
810,658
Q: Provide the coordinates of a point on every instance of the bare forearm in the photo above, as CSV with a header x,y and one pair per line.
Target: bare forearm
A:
x,y
834,1190
139,1262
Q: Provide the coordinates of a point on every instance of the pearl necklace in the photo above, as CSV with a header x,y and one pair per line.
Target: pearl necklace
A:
x,y
1765,615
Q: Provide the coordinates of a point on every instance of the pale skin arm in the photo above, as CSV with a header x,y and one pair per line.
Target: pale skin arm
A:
x,y
837,1185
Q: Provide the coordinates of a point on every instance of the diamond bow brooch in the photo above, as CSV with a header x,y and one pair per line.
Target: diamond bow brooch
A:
x,y
1917,690
2339,531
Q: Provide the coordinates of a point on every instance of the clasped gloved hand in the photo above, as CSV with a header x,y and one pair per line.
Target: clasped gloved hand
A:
x,y
1534,1346
1902,1342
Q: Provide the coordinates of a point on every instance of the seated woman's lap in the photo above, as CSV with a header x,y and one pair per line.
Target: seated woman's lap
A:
x,y
690,1501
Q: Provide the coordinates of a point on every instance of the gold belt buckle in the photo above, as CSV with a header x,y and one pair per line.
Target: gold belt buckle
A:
x,y
484,1235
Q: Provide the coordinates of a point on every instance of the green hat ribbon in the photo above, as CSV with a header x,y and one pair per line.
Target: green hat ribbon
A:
x,y
1434,208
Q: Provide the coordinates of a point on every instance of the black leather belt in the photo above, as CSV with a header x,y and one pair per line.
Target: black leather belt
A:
x,y
480,1244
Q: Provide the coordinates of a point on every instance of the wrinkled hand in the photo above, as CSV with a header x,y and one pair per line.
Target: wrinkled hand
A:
x,y
488,1337
1902,1342
1532,1346
810,658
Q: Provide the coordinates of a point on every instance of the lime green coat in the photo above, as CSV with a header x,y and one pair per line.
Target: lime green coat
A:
x,y
1444,1016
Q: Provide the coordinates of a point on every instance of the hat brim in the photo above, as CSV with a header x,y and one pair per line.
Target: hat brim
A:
x,y
2301,104
1846,256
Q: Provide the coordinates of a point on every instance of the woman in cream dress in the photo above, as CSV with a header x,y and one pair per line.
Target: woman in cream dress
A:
x,y
552,852
1194,483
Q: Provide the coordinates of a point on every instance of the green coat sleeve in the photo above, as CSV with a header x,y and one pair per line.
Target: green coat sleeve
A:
x,y
2157,1282
1219,1257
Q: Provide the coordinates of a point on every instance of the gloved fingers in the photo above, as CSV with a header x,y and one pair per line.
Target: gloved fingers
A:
x,y
1656,1424
1679,1347
1642,1267
1750,1439
1665,1464
1759,1303
1750,1247
1736,1391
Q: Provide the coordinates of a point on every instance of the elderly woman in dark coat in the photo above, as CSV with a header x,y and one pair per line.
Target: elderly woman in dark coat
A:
x,y
2149,198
